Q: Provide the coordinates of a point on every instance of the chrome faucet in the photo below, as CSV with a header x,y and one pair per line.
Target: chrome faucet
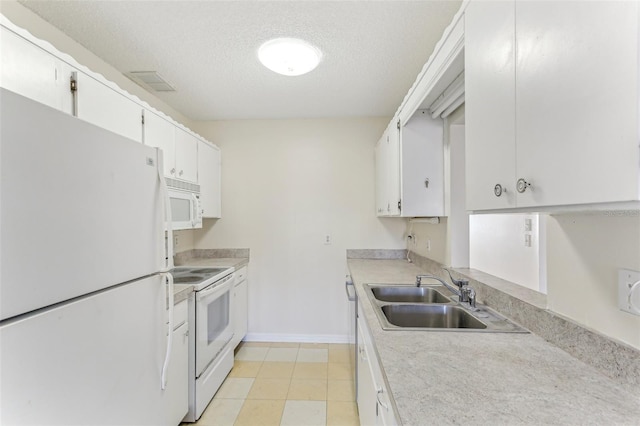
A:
x,y
464,292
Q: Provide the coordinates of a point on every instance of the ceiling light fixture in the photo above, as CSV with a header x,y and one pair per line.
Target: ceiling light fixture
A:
x,y
289,56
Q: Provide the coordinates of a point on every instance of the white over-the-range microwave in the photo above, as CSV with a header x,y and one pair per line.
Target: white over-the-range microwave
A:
x,y
186,209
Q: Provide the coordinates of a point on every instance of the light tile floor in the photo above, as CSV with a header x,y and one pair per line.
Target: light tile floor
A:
x,y
299,384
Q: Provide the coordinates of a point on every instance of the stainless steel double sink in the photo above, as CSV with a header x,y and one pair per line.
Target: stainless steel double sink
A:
x,y
432,308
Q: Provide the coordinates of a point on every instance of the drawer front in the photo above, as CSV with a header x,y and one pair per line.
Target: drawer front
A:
x,y
180,312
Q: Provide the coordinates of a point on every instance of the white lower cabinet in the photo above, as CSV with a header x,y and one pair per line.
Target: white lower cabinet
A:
x,y
374,402
177,393
240,307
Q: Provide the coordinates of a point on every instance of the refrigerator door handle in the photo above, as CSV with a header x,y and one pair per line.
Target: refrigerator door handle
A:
x,y
168,265
167,357
167,213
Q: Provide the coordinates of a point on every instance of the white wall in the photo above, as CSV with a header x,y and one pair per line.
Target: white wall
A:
x,y
497,247
584,253
285,185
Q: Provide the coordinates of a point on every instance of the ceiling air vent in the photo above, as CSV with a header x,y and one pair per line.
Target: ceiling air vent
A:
x,y
151,80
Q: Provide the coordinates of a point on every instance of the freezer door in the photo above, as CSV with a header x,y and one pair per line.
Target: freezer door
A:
x,y
81,207
96,360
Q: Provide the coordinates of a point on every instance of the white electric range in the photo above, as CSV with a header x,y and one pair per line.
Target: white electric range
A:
x,y
210,330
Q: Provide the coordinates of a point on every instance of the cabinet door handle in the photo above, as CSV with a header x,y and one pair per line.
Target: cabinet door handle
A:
x,y
173,171
181,171
498,190
522,185
378,393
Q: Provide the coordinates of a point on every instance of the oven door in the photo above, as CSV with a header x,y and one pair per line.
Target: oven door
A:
x,y
214,328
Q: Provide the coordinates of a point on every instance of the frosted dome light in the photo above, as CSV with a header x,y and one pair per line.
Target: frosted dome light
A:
x,y
289,56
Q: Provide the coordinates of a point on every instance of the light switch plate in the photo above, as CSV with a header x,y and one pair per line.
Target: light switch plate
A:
x,y
629,291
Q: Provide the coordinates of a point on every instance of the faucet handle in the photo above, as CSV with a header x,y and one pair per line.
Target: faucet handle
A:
x,y
472,297
459,283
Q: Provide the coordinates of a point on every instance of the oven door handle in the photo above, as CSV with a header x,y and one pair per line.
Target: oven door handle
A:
x,y
221,287
351,296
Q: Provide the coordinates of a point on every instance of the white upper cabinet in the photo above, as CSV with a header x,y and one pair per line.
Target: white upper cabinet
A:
x,y
490,105
392,154
32,72
388,173
103,106
35,69
381,174
160,133
422,166
551,104
38,74
410,179
410,168
180,148
186,156
209,178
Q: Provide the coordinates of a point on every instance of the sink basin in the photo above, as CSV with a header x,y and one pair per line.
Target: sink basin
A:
x,y
409,294
432,308
430,316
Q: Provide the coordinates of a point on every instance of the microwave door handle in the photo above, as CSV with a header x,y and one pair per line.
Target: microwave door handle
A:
x,y
194,211
167,356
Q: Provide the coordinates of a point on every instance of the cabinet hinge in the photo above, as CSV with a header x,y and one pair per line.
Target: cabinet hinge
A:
x,y
398,125
400,205
73,86
143,118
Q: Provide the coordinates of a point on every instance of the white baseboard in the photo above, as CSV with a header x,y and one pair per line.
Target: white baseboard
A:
x,y
297,338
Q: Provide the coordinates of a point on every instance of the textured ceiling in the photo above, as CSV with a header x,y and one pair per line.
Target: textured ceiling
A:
x,y
373,51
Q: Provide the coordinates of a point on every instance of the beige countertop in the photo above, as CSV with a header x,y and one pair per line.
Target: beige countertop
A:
x,y
486,378
182,291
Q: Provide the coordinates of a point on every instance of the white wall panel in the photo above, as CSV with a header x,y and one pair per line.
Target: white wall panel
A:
x,y
286,184
497,247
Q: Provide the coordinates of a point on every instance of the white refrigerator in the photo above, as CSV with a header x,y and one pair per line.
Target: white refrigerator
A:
x,y
83,301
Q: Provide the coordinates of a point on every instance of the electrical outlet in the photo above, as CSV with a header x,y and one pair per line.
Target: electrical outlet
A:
x,y
527,240
629,291
428,245
527,225
327,239
175,240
